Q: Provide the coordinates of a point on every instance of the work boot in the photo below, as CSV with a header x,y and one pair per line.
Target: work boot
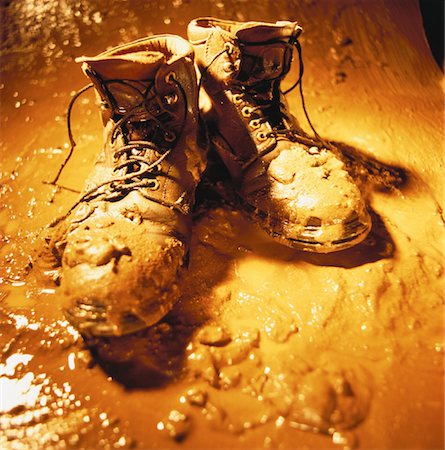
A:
x,y
123,244
293,186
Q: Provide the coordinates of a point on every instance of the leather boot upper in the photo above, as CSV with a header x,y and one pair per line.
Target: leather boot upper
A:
x,y
295,187
122,245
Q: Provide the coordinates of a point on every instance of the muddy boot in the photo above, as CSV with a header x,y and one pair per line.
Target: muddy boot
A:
x,y
123,244
293,186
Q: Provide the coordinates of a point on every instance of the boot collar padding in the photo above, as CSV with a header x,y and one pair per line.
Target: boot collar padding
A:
x,y
139,60
247,32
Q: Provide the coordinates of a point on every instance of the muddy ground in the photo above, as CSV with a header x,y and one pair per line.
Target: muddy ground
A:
x,y
268,347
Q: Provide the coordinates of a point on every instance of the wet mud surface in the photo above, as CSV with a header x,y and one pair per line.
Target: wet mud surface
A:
x,y
268,347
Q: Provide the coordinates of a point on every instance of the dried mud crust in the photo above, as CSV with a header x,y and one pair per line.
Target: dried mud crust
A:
x,y
99,270
318,207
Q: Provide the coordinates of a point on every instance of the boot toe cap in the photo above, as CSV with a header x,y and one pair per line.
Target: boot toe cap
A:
x,y
117,282
312,203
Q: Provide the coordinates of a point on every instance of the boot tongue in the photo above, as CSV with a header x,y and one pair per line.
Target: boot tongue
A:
x,y
265,53
264,62
137,66
120,79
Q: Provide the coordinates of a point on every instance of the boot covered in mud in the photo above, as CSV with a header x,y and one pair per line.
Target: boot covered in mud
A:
x,y
292,185
124,242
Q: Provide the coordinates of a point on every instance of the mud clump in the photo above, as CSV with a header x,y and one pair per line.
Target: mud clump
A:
x,y
328,401
214,336
238,386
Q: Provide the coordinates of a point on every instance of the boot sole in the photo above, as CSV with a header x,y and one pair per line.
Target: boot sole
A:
x,y
355,232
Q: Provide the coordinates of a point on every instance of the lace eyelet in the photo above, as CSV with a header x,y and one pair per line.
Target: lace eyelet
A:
x,y
170,99
153,184
170,77
228,47
246,111
237,98
254,124
261,136
169,136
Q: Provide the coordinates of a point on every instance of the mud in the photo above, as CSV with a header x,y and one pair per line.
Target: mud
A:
x,y
268,347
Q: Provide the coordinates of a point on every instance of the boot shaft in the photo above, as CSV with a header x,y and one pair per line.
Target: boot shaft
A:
x,y
149,106
243,52
242,65
146,84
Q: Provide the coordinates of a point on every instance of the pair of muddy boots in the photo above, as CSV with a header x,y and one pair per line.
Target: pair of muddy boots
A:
x,y
123,244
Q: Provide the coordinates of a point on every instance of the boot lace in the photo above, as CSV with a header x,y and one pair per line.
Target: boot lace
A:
x,y
262,102
134,167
